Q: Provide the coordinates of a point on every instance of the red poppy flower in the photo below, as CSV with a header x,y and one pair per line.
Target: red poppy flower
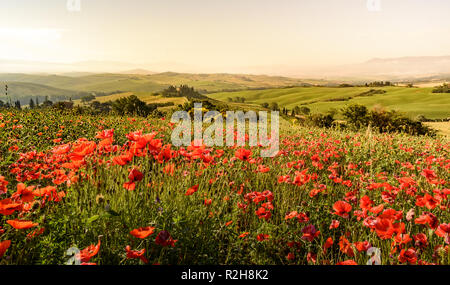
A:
x,y
166,153
377,209
82,149
409,256
310,232
342,208
49,190
264,211
428,201
384,228
191,190
3,184
291,215
21,225
391,214
443,231
123,159
35,233
400,240
23,193
429,174
86,254
427,218
164,239
262,237
328,243
243,235
347,262
421,240
345,246
365,203
104,134
8,207
301,177
290,256
142,232
311,257
4,245
362,245
131,254
133,176
334,224
302,218
262,168
243,154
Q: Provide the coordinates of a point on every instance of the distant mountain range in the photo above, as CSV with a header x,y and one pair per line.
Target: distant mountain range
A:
x,y
395,68
402,68
139,71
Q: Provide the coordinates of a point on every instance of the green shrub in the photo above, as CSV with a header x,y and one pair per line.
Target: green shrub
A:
x,y
358,116
320,120
133,106
444,88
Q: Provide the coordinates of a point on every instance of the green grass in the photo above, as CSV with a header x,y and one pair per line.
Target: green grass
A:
x,y
412,101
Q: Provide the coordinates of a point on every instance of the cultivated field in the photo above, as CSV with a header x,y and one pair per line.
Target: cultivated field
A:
x,y
411,101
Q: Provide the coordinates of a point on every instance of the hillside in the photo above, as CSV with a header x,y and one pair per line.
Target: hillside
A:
x,y
146,97
109,82
412,101
151,98
24,91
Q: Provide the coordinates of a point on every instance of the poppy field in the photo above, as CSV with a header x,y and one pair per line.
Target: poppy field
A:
x,y
114,189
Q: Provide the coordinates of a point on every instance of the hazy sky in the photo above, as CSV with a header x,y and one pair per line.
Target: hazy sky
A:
x,y
223,33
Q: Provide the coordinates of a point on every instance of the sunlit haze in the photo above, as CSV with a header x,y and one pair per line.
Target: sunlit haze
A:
x,y
222,36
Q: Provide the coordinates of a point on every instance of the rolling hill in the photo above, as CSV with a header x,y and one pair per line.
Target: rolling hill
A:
x,y
110,82
24,91
256,89
412,101
62,87
151,98
146,97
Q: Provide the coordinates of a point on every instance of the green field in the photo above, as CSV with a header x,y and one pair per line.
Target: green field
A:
x,y
109,82
150,98
412,101
146,97
61,87
27,89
